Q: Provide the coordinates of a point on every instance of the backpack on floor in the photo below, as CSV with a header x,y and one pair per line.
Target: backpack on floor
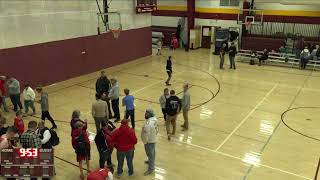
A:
x,y
81,145
54,140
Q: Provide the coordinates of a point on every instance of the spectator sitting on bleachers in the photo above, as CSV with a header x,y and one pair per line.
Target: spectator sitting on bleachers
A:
x,y
315,54
263,57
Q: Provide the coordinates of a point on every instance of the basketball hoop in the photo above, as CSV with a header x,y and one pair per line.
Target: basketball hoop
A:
x,y
116,33
247,24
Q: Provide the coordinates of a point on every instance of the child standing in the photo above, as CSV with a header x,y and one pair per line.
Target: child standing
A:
x,y
45,107
81,144
128,101
159,47
18,122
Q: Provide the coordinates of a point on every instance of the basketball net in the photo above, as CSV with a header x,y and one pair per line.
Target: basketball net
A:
x,y
116,33
247,24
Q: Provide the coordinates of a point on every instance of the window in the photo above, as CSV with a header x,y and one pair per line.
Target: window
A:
x,y
229,2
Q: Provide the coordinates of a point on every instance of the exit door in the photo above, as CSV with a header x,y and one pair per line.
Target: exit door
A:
x,y
206,37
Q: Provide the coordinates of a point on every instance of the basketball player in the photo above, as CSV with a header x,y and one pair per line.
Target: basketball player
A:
x,y
169,71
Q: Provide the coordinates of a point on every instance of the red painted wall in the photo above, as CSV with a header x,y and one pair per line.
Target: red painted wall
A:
x,y
51,62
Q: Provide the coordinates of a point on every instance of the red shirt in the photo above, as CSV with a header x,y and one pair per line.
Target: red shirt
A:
x,y
2,87
124,138
18,123
99,174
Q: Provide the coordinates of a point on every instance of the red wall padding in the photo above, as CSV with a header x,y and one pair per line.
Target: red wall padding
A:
x,y
51,62
260,43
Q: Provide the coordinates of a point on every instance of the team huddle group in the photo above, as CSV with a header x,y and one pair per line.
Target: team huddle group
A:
x,y
108,137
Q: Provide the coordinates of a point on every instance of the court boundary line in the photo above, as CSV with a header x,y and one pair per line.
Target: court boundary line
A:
x,y
247,117
234,157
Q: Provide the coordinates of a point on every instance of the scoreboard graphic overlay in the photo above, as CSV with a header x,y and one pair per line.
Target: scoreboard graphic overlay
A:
x,y
146,6
31,162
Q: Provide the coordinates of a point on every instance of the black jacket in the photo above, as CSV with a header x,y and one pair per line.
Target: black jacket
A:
x,y
48,144
102,85
232,51
173,105
169,65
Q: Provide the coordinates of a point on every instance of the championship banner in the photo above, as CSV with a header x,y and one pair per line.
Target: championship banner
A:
x,y
146,6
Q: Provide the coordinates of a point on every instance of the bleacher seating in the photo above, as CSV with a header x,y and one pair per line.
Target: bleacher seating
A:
x,y
274,58
167,33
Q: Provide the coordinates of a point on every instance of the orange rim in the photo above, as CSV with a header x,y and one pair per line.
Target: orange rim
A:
x,y
115,32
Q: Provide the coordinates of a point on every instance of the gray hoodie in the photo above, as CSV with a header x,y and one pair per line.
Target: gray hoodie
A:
x,y
114,92
13,87
186,101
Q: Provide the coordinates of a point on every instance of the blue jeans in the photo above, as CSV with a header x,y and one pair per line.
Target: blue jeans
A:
x,y
130,113
29,103
150,149
221,62
15,99
120,157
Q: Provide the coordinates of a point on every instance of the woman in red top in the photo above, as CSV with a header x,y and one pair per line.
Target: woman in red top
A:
x,y
81,144
18,122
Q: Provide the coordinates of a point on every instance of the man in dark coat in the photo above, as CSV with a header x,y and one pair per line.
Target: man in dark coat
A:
x,y
103,87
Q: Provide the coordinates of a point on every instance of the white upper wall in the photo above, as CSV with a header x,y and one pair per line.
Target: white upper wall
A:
x,y
172,2
278,6
26,22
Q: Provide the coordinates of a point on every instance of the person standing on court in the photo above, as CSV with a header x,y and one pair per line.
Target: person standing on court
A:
x,y
222,53
185,107
163,98
169,70
14,93
75,117
45,135
30,139
305,56
3,93
99,111
44,101
103,87
232,55
81,145
29,97
173,107
128,101
124,139
103,143
149,138
114,96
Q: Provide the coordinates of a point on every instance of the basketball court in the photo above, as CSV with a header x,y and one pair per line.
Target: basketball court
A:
x,y
252,123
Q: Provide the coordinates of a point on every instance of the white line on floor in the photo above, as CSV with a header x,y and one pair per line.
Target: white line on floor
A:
x,y
157,82
234,157
246,118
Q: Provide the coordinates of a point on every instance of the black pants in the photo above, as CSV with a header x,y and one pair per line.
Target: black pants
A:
x,y
262,60
164,113
131,114
109,109
303,63
46,115
115,108
15,99
105,156
169,76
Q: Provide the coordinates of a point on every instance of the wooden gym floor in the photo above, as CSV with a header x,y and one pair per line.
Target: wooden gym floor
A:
x,y
236,129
